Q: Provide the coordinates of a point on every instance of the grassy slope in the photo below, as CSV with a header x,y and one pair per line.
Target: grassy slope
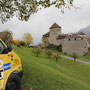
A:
x,y
86,58
41,73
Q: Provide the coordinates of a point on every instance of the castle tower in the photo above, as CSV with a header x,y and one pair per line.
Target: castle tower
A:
x,y
55,31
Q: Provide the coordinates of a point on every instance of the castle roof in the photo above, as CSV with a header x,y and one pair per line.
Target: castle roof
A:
x,y
47,34
55,26
81,33
62,36
75,36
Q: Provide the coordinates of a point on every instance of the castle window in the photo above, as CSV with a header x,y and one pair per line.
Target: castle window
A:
x,y
69,39
75,38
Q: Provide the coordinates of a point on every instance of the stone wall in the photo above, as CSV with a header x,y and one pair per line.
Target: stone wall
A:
x,y
54,32
69,44
46,43
78,46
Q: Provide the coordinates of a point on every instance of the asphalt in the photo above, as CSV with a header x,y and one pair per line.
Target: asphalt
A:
x,y
78,60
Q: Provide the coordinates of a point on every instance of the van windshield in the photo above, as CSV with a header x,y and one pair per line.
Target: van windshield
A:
x,y
1,47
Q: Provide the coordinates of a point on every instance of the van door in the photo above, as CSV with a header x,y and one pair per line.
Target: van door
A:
x,y
5,65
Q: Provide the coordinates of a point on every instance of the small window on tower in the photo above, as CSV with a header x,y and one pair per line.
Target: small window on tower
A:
x,y
69,39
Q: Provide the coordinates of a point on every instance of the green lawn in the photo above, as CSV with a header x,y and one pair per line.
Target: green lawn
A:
x,y
86,58
41,73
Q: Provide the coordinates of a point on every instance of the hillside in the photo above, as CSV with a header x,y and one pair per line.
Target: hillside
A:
x,y
86,31
41,73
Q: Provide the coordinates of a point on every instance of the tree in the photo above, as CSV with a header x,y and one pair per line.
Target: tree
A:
x,y
8,31
16,42
89,40
28,39
37,52
57,56
6,35
49,53
88,44
23,9
22,43
74,56
44,40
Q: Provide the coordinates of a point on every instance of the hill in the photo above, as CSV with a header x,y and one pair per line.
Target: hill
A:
x,y
86,31
42,73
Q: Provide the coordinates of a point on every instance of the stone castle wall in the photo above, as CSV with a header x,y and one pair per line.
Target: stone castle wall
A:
x,y
53,35
78,46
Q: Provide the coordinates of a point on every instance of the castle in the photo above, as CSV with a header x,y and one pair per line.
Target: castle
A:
x,y
74,43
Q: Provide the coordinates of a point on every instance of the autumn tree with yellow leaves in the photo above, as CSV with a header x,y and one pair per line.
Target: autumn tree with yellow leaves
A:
x,y
44,40
23,9
28,39
16,42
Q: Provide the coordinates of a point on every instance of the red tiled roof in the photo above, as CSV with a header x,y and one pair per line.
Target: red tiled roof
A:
x,y
55,26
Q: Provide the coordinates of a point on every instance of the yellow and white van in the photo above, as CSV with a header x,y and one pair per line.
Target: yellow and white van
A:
x,y
10,68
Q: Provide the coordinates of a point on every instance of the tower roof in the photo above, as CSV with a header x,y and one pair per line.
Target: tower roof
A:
x,y
55,26
47,34
81,33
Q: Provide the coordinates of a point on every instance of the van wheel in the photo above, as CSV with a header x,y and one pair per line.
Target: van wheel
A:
x,y
13,82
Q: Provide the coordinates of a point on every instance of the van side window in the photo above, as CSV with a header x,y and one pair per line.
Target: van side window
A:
x,y
1,48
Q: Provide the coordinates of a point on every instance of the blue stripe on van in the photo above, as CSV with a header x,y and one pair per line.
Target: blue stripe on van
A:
x,y
7,66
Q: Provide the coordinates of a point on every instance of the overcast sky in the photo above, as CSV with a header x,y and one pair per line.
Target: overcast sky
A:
x,y
38,24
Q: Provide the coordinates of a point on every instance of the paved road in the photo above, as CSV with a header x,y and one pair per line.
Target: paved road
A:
x,y
85,62
70,58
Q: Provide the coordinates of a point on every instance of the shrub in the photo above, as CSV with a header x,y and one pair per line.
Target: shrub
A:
x,y
18,46
65,53
37,52
56,56
89,49
50,46
55,47
16,42
22,43
49,53
74,56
